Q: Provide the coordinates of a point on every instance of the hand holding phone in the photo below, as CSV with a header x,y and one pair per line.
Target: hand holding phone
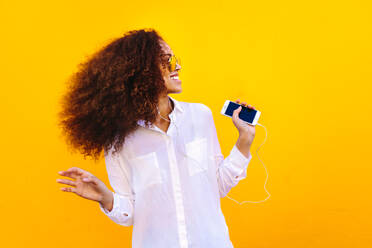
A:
x,y
245,121
248,114
243,118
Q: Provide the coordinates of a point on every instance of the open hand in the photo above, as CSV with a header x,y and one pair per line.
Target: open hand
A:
x,y
85,184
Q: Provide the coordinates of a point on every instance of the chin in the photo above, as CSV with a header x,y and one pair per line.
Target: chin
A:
x,y
179,90
175,91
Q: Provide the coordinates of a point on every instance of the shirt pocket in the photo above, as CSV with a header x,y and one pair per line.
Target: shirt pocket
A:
x,y
146,171
196,151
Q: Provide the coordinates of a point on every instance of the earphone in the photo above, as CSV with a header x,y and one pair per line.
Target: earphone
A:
x,y
240,203
267,174
197,162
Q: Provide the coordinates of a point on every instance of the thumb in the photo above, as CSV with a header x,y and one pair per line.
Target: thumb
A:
x,y
236,112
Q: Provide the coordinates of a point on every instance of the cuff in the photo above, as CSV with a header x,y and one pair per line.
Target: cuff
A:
x,y
114,207
239,157
239,163
121,206
122,210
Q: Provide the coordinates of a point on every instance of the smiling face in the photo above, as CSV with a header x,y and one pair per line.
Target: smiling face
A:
x,y
171,80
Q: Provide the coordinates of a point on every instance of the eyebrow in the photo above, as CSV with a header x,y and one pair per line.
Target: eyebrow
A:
x,y
167,54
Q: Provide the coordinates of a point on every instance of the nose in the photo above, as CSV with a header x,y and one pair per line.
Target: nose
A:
x,y
178,67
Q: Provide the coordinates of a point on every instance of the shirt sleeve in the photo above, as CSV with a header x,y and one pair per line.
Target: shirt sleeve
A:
x,y
119,177
229,170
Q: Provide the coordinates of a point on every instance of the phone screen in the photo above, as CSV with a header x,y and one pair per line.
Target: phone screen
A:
x,y
246,114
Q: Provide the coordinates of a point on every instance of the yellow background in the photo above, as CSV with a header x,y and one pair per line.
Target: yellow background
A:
x,y
305,65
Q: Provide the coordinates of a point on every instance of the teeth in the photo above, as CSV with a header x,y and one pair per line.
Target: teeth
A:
x,y
174,77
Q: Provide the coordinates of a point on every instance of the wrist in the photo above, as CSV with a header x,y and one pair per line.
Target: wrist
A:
x,y
107,200
244,138
243,146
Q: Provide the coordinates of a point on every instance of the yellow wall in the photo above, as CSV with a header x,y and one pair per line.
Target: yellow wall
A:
x,y
305,65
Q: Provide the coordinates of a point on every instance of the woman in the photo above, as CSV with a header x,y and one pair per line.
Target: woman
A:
x,y
162,156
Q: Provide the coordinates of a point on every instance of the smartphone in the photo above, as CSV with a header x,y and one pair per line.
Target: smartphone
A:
x,y
246,114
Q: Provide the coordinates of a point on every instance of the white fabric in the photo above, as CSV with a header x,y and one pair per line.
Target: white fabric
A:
x,y
168,185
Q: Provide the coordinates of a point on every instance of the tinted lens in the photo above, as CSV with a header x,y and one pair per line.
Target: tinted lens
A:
x,y
173,63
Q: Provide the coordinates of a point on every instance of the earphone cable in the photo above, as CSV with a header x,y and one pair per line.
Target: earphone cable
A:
x,y
185,155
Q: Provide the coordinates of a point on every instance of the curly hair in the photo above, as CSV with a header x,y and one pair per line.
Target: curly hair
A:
x,y
117,86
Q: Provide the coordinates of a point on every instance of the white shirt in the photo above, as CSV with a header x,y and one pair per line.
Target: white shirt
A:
x,y
168,185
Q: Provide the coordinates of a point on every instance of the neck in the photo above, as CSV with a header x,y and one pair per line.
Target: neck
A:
x,y
164,107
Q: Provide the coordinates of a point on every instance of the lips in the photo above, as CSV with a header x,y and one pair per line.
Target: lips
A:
x,y
174,77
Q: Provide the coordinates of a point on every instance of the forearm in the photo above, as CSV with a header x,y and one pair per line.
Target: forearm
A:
x,y
233,168
107,201
244,144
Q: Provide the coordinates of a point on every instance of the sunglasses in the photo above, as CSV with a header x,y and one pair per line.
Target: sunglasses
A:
x,y
172,61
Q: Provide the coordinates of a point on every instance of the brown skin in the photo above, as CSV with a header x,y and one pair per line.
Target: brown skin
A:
x,y
94,189
247,132
124,75
173,86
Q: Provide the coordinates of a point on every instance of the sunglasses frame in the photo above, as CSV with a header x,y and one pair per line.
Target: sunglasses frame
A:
x,y
172,61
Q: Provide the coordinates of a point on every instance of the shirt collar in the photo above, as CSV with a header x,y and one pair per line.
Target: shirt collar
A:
x,y
177,104
177,107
